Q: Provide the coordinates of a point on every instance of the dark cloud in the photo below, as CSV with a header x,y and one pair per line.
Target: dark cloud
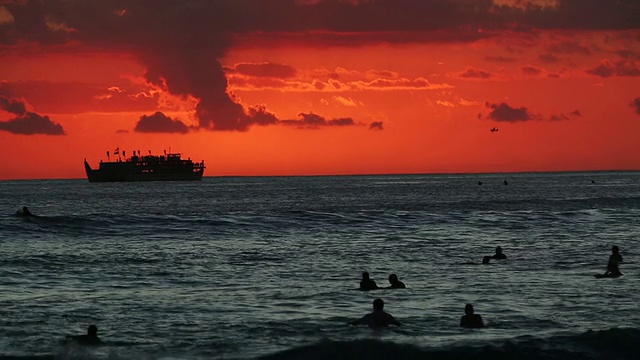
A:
x,y
636,104
549,58
504,112
314,121
571,14
26,122
32,124
376,125
628,54
605,69
473,73
569,47
531,70
561,117
264,70
160,123
609,68
14,106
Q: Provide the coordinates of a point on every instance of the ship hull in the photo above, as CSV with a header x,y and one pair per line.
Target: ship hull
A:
x,y
122,173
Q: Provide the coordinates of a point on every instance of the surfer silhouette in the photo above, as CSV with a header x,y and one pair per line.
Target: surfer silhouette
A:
x,y
24,213
395,283
471,320
499,254
378,318
367,283
613,266
90,339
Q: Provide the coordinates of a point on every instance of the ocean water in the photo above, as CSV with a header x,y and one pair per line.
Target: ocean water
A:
x,y
268,267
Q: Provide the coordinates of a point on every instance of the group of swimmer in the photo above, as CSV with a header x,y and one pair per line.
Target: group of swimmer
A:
x,y
368,284
379,318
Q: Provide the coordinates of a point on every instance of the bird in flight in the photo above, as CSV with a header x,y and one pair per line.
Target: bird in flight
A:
x,y
493,129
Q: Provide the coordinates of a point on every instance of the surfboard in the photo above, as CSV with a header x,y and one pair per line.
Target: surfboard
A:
x,y
600,276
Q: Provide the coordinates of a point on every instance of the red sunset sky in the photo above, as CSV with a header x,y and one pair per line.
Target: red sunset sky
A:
x,y
306,87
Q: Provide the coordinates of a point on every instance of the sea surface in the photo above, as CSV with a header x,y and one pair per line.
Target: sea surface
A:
x,y
268,267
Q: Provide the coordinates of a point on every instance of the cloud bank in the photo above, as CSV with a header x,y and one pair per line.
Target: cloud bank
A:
x,y
503,112
160,123
180,43
26,122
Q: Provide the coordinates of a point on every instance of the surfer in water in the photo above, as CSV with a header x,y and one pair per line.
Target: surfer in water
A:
x,y
613,266
499,255
24,213
90,339
378,318
471,320
395,283
367,283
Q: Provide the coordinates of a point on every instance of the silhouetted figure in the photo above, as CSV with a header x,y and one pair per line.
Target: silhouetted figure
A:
x,y
506,182
90,339
499,254
378,318
366,283
24,212
486,259
479,182
395,283
471,320
613,266
593,181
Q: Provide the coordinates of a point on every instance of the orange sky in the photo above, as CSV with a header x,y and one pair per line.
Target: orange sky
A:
x,y
293,87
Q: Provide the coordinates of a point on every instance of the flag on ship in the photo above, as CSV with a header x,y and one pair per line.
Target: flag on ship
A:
x,y
117,151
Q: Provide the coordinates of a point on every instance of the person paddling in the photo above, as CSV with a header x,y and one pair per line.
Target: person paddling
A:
x,y
90,339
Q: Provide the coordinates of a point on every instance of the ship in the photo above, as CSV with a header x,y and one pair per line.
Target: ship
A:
x,y
167,167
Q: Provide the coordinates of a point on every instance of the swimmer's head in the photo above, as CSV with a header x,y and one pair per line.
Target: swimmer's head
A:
x,y
468,309
393,278
486,259
498,250
378,305
365,276
615,249
93,330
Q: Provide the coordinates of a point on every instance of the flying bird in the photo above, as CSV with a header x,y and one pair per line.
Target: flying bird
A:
x,y
493,129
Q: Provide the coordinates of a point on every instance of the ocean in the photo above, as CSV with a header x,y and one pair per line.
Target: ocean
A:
x,y
268,267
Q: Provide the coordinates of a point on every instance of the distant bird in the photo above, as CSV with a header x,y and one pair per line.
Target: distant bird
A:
x,y
493,129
